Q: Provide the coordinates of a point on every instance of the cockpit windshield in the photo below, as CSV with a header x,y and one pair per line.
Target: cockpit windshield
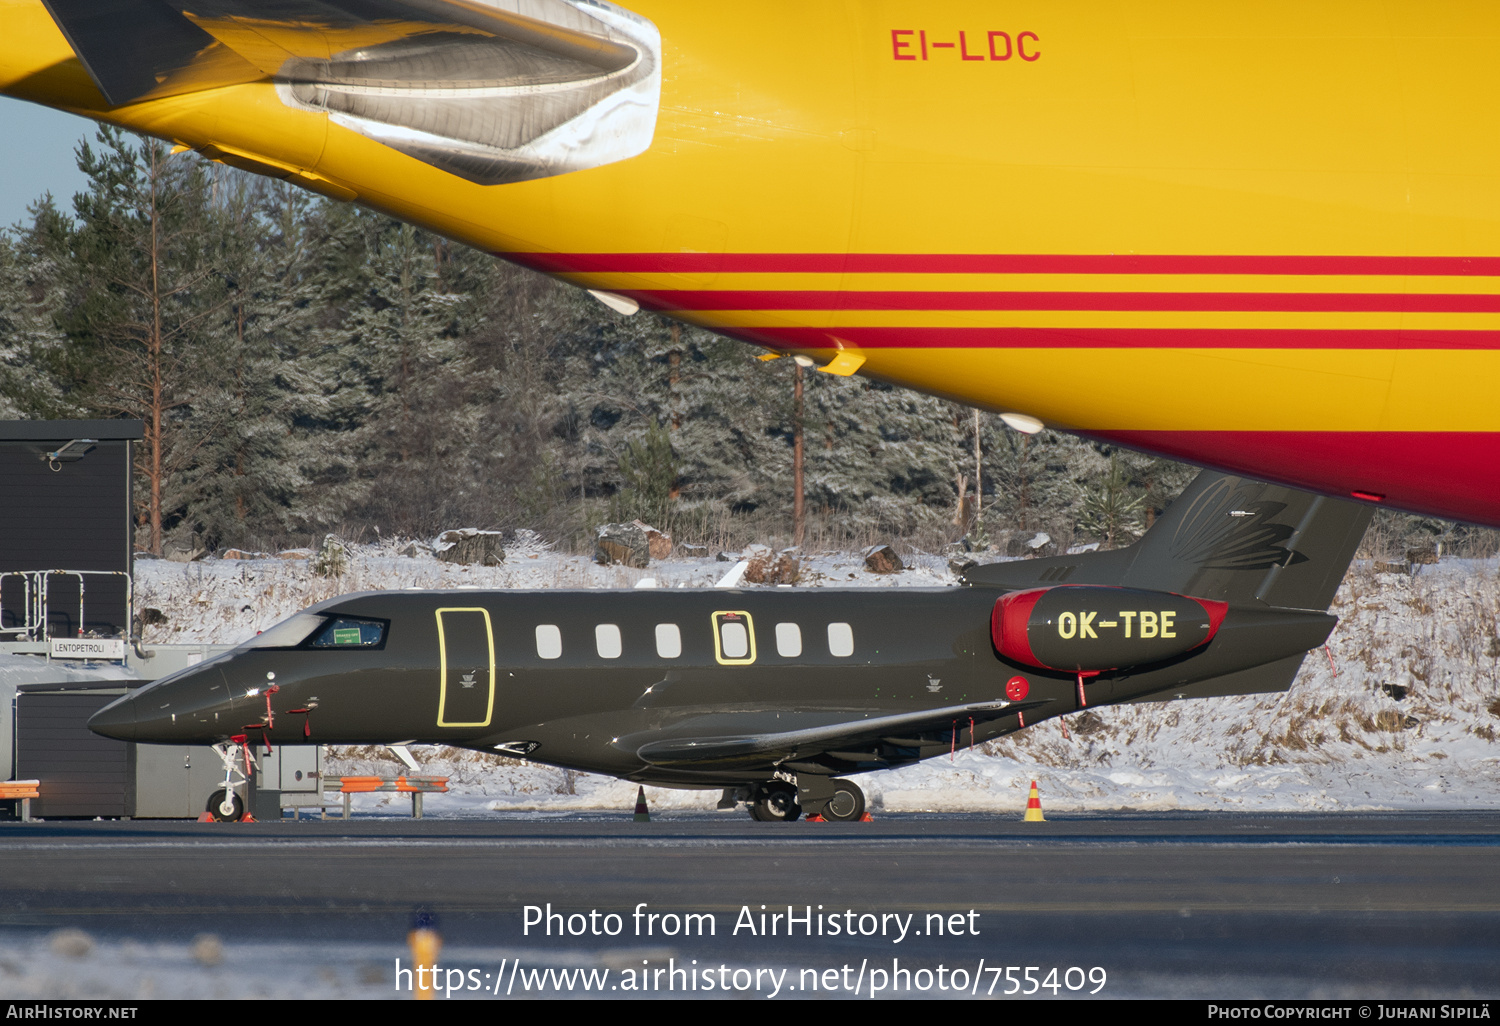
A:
x,y
289,633
314,630
349,632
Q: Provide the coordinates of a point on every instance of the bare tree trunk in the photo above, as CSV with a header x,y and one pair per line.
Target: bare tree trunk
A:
x,y
978,473
154,356
799,512
674,400
1023,504
240,512
674,375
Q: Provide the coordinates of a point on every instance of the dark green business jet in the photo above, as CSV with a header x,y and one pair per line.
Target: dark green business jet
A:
x,y
777,695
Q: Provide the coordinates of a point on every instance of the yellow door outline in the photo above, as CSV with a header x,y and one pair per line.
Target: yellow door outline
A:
x,y
489,636
719,641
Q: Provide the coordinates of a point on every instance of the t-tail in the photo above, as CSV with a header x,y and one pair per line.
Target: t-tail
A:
x,y
1249,565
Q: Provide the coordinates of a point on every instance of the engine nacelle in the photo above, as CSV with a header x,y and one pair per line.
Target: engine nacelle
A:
x,y
1089,629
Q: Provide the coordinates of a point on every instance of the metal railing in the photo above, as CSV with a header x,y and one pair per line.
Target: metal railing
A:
x,y
36,607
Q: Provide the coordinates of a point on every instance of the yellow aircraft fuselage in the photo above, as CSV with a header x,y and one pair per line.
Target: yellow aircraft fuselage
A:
x,y
1263,237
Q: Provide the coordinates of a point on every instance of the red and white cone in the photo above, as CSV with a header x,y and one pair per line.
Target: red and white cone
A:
x,y
1034,806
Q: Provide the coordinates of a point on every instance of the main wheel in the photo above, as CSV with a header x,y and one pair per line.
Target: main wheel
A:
x,y
225,806
777,803
847,803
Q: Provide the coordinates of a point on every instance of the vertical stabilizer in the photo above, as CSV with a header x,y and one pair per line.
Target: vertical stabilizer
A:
x,y
1227,538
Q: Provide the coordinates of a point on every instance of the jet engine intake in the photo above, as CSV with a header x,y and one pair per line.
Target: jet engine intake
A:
x,y
552,87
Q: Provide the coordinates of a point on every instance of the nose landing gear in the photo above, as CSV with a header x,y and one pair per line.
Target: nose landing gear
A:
x,y
226,805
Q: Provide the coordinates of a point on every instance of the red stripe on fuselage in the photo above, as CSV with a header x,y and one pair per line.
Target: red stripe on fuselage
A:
x,y
1000,263
1453,474
1114,338
1332,302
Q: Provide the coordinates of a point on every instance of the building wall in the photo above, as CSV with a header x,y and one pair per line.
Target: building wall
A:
x,y
76,517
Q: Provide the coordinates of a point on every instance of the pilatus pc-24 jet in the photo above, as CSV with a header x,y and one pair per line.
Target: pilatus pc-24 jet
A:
x,y
1263,237
776,695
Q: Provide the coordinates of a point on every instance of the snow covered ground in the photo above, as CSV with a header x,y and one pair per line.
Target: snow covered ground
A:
x,y
1346,736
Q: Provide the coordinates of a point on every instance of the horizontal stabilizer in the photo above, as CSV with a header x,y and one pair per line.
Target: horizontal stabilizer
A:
x,y
1268,679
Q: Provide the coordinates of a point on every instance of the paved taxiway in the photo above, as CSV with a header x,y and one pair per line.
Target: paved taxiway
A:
x,y
1177,904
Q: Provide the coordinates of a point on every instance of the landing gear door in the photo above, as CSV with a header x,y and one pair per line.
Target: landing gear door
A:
x,y
467,661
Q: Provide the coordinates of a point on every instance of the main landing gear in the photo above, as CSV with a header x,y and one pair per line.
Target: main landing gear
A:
x,y
847,804
782,801
775,802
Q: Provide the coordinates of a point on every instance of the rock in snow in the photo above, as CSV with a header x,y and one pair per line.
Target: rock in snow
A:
x,y
470,546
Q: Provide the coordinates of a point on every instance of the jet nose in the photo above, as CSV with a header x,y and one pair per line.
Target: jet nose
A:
x,y
116,720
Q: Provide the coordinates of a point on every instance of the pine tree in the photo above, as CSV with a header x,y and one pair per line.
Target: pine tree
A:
x,y
409,392
1108,510
252,479
32,294
145,292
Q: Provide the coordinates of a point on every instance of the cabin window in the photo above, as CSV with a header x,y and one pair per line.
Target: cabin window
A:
x,y
734,638
840,639
788,640
548,641
668,641
607,640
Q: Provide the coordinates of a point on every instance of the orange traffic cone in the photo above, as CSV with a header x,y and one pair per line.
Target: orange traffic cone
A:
x,y
642,814
1034,806
866,818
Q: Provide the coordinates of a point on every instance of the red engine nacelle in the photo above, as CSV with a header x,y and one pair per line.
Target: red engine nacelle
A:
x,y
1089,629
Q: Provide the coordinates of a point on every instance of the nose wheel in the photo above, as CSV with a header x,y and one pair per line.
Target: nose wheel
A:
x,y
225,807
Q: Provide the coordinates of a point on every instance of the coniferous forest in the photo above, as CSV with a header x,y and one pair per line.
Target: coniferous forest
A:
x,y
305,366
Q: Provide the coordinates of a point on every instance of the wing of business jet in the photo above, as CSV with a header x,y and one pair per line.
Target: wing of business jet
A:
x,y
857,739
